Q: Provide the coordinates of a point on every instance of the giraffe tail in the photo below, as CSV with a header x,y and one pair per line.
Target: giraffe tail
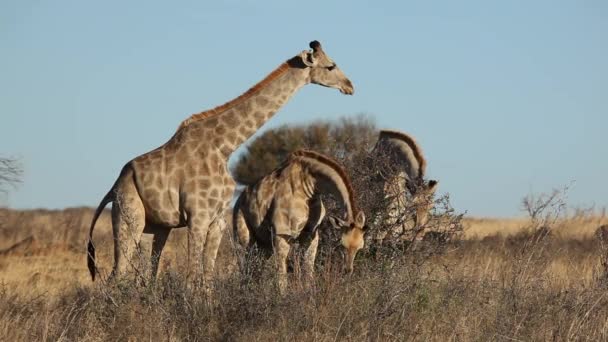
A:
x,y
109,197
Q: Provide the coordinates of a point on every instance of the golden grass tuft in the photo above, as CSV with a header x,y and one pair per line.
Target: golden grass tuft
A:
x,y
503,281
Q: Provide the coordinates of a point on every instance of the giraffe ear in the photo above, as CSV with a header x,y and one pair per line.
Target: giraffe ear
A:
x,y
308,59
360,219
432,185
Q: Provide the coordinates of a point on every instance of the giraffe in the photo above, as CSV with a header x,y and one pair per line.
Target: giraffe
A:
x,y
407,176
286,206
186,182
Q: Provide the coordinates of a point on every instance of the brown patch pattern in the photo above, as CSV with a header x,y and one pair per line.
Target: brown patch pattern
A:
x,y
278,72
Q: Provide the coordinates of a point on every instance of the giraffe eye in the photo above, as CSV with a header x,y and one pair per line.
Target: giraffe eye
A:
x,y
331,67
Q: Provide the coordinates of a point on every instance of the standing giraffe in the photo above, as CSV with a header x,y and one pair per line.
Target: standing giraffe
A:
x,y
407,176
285,206
186,182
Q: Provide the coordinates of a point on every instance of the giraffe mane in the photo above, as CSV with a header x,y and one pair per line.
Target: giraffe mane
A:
x,y
411,143
336,167
278,72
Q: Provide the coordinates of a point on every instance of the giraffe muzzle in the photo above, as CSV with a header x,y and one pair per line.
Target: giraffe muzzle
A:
x,y
347,88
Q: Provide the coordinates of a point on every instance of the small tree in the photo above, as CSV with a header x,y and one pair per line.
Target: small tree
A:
x,y
347,138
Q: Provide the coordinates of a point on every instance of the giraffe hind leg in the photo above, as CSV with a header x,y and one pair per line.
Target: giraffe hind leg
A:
x,y
128,221
158,244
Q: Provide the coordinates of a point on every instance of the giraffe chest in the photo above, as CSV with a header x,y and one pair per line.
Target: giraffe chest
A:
x,y
292,212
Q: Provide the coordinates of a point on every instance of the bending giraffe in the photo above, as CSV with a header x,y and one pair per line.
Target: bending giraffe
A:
x,y
185,182
408,167
286,206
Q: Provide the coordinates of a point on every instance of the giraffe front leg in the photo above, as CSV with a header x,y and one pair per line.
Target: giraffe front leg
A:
x,y
212,244
158,244
310,255
316,215
281,251
198,227
240,230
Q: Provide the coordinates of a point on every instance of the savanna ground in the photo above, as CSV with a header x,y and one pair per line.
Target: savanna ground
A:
x,y
503,279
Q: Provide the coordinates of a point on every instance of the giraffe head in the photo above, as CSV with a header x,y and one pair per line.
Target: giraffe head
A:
x,y
352,237
422,194
324,71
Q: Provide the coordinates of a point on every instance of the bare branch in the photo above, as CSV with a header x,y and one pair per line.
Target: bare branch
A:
x,y
11,172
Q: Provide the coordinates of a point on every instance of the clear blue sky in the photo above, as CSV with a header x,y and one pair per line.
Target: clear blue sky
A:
x,y
506,98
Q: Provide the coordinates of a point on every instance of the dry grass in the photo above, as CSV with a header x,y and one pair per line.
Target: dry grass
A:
x,y
502,282
577,226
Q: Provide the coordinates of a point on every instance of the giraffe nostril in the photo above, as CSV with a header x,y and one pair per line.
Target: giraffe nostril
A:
x,y
347,88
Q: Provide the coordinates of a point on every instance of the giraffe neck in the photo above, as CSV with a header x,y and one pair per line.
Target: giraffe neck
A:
x,y
395,190
403,151
267,103
328,179
239,119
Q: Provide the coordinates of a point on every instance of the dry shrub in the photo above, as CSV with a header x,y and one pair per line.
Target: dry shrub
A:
x,y
368,174
69,226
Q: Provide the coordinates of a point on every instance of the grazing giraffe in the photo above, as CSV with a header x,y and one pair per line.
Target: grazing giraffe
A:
x,y
186,182
407,176
286,206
